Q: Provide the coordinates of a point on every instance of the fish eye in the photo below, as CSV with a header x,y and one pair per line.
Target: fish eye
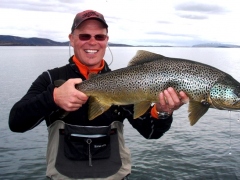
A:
x,y
237,101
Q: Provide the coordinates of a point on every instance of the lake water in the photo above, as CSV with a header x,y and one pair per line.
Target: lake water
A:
x,y
208,150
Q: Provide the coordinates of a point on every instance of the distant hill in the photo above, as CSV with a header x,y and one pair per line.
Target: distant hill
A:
x,y
20,41
119,45
6,40
217,45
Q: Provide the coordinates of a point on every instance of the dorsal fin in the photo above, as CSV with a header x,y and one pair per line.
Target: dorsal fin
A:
x,y
143,56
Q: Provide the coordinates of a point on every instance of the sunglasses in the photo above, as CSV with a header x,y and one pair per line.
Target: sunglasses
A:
x,y
86,37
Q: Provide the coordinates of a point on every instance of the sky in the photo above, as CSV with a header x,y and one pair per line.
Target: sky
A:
x,y
133,22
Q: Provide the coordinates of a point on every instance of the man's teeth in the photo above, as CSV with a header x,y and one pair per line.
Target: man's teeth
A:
x,y
90,51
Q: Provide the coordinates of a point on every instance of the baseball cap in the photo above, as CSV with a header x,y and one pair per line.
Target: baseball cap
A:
x,y
85,15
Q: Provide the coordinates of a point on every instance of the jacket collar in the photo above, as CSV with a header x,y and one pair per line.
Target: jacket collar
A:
x,y
75,68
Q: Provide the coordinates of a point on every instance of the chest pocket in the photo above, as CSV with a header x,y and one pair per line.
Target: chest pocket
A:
x,y
86,143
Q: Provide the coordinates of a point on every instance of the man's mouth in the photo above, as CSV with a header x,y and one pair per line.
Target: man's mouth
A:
x,y
91,51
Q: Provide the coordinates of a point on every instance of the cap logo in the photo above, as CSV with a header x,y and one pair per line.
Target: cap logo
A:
x,y
89,14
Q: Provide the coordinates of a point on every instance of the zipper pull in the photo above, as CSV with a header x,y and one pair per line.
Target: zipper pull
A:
x,y
89,141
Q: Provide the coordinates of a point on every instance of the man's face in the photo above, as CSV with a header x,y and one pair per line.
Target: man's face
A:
x,y
89,52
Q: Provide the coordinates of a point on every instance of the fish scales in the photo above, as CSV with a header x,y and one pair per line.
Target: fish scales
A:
x,y
148,73
153,77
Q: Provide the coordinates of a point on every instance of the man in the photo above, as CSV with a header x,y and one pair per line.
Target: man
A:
x,y
79,148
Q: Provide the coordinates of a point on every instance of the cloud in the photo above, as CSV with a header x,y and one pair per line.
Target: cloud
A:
x,y
192,16
198,10
200,7
157,33
44,5
133,22
164,22
171,38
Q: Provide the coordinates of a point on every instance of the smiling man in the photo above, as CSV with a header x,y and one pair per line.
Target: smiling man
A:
x,y
89,39
77,147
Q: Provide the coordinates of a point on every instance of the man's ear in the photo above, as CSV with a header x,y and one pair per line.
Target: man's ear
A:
x,y
70,36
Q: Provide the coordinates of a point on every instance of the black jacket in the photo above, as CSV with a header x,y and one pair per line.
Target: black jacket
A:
x,y
38,104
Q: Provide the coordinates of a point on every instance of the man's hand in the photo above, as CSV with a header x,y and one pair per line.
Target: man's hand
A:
x,y
68,97
169,100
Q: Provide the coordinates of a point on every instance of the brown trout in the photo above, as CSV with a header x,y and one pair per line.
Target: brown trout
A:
x,y
148,73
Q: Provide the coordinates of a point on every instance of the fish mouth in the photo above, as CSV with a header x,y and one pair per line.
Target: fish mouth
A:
x,y
91,51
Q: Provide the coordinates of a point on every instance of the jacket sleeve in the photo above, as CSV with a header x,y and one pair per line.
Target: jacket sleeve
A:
x,y
148,126
34,106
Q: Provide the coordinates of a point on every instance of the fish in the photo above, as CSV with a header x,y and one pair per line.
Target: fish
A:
x,y
149,73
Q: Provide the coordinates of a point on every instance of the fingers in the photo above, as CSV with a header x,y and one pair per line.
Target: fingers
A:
x,y
68,97
163,105
170,100
74,101
184,97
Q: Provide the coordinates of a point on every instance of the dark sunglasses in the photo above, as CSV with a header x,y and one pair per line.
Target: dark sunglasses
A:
x,y
86,37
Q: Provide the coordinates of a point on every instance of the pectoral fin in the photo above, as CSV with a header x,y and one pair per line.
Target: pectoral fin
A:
x,y
140,108
196,111
96,108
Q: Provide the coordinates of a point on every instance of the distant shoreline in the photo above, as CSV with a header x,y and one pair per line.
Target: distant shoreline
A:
x,y
7,40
